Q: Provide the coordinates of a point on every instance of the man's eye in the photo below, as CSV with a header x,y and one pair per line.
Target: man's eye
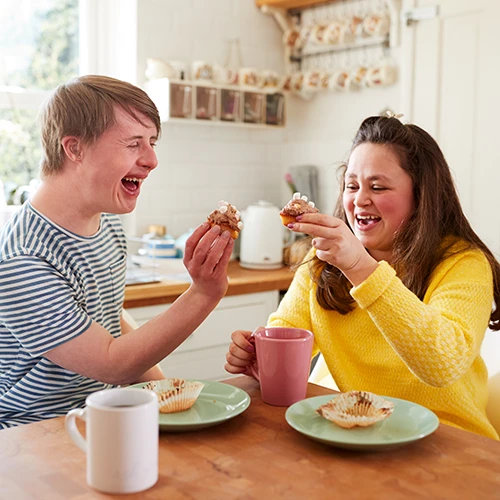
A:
x,y
133,145
153,145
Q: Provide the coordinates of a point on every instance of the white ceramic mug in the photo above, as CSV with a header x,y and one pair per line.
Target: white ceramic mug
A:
x,y
249,77
225,76
202,70
354,29
318,34
312,80
335,33
340,80
357,76
382,73
121,439
269,79
156,68
377,24
291,38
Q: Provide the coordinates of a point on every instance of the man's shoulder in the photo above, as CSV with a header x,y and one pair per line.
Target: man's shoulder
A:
x,y
28,234
16,232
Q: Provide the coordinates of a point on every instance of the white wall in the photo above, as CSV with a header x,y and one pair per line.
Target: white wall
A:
x,y
200,164
320,132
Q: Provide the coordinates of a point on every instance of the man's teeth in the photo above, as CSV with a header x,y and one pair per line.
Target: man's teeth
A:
x,y
133,179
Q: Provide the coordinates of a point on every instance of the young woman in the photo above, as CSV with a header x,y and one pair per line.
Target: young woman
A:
x,y
397,288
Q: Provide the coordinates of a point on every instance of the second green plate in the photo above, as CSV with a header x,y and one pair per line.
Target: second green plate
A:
x,y
409,422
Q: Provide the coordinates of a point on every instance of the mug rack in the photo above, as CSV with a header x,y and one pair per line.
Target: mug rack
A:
x,y
319,55
202,102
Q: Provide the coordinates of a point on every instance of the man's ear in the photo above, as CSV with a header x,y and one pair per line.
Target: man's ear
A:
x,y
72,148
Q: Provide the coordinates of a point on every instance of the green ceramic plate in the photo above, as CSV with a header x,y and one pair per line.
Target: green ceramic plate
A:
x,y
216,403
409,422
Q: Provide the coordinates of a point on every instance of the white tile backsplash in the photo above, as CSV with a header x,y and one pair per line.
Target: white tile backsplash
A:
x,y
201,163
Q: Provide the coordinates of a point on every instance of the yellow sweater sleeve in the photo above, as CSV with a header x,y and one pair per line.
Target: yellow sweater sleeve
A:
x,y
437,338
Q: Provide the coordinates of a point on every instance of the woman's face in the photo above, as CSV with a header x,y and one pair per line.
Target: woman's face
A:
x,y
378,197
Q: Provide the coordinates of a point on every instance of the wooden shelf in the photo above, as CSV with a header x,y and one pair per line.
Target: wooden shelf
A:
x,y
220,123
291,4
205,102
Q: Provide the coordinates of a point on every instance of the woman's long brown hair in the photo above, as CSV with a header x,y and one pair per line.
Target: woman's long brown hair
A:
x,y
419,246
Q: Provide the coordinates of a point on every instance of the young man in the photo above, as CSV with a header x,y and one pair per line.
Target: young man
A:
x,y
63,256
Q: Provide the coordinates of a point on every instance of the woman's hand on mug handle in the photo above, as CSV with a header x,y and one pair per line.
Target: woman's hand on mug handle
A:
x,y
336,244
241,352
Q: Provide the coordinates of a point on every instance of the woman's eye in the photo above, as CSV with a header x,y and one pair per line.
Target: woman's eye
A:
x,y
378,188
350,187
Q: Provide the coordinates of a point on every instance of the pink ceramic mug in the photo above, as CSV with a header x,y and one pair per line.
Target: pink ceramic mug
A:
x,y
283,364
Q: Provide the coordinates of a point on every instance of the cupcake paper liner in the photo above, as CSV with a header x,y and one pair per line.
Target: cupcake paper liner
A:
x,y
356,409
175,394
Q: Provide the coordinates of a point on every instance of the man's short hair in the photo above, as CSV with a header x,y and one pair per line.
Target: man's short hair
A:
x,y
85,108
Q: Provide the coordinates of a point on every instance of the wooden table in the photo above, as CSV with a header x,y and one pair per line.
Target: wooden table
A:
x,y
257,455
241,280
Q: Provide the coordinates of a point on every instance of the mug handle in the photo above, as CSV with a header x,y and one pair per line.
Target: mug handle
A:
x,y
72,429
253,369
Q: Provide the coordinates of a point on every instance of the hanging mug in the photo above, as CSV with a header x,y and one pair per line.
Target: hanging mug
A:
x,y
335,32
340,80
377,24
381,74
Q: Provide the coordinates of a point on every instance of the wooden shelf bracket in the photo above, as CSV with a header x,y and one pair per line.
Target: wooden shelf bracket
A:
x,y
280,16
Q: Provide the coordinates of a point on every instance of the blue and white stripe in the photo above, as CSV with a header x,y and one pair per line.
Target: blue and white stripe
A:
x,y
53,284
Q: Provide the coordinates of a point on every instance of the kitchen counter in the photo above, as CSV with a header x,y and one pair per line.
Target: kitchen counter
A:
x,y
241,281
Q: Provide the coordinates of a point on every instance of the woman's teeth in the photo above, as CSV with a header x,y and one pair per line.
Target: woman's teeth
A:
x,y
366,219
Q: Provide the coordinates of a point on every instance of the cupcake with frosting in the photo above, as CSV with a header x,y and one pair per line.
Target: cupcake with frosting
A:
x,y
227,217
298,205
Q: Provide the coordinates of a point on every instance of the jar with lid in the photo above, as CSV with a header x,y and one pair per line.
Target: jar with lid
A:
x,y
158,243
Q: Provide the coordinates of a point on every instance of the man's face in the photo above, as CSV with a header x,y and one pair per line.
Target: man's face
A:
x,y
114,167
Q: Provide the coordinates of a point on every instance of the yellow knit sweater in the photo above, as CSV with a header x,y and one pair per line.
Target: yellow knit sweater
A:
x,y
396,345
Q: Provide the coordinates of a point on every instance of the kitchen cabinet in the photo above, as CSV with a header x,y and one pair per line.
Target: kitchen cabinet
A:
x,y
202,355
184,101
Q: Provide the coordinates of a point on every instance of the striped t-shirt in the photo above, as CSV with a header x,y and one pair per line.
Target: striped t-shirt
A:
x,y
53,285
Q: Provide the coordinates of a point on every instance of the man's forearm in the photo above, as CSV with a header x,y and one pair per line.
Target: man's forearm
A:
x,y
154,373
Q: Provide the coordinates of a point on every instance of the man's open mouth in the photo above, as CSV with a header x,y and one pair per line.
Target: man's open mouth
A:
x,y
132,184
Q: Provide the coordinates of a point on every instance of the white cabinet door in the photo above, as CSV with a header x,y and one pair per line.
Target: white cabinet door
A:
x,y
202,355
454,96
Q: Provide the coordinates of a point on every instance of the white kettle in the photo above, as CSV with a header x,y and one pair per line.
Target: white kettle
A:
x,y
262,237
